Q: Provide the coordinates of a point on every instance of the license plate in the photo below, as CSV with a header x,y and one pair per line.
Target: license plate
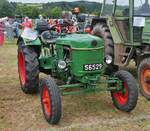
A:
x,y
92,67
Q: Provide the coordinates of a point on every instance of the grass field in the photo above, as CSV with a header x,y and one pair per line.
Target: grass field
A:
x,y
92,112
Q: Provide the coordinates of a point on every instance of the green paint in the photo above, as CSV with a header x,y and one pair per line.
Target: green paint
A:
x,y
146,32
77,51
34,42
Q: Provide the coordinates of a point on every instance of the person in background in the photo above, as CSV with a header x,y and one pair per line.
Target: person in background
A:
x,y
3,19
16,28
9,30
27,23
41,17
2,25
51,22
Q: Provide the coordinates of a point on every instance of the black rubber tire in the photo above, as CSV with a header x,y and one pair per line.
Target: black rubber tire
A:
x,y
132,96
101,30
144,64
55,100
31,85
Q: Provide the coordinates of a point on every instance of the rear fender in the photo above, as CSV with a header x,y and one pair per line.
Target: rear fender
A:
x,y
27,42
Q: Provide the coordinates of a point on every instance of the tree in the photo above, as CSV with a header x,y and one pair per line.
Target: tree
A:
x,y
47,12
30,11
56,12
82,8
6,9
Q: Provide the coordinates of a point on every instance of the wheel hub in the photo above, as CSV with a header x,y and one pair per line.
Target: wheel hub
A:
x,y
21,68
46,101
122,96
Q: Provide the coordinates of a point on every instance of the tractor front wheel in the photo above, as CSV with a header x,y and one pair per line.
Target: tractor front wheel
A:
x,y
125,99
50,101
144,77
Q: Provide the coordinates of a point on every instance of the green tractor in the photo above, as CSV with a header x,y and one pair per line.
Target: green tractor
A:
x,y
76,59
125,28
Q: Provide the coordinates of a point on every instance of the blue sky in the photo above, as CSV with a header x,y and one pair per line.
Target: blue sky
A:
x,y
45,1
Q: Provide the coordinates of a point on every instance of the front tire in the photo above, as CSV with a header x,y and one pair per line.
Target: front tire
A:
x,y
50,101
144,77
125,99
28,68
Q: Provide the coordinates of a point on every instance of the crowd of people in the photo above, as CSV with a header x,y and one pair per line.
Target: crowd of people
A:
x,y
12,28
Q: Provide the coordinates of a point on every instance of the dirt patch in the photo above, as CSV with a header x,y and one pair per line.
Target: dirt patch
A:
x,y
94,112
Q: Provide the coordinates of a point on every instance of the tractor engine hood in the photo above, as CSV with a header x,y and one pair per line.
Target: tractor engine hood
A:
x,y
80,41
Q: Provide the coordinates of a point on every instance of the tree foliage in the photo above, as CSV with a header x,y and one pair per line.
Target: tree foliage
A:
x,y
52,9
6,8
30,11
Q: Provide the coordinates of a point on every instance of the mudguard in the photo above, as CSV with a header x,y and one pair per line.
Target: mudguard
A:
x,y
27,42
32,42
29,37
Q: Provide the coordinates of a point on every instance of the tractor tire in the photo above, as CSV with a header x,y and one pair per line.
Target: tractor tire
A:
x,y
126,99
101,30
144,77
28,69
50,101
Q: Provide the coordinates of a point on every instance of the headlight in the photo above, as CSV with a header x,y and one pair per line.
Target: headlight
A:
x,y
108,59
62,64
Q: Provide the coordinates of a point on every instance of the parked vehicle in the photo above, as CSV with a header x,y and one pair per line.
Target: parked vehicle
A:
x,y
78,60
125,29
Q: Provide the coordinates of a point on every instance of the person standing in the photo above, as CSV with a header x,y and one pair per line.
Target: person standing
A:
x,y
1,33
2,29
16,28
27,23
9,30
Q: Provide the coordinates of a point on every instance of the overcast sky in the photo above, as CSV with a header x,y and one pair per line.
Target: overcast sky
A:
x,y
45,1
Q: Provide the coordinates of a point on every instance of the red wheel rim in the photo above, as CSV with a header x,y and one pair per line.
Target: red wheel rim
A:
x,y
21,67
145,76
122,96
46,101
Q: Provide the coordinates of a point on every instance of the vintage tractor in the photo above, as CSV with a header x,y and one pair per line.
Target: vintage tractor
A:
x,y
76,59
125,28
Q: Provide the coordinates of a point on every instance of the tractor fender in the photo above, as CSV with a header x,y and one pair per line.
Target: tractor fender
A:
x,y
98,20
19,39
27,42
142,54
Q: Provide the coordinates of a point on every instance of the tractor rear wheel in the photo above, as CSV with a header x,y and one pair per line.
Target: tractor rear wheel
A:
x,y
101,30
144,77
50,101
28,68
125,99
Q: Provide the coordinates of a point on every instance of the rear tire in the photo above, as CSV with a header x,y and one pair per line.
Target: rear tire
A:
x,y
126,99
144,77
50,101
28,69
101,30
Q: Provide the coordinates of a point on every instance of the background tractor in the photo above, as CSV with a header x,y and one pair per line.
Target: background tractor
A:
x,y
125,28
76,59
